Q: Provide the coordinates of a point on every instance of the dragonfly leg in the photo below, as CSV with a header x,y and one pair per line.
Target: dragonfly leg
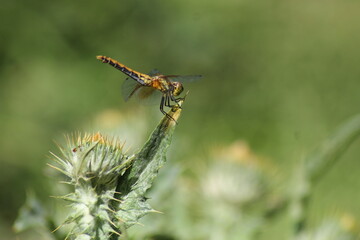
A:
x,y
168,98
176,100
162,105
164,100
179,99
167,102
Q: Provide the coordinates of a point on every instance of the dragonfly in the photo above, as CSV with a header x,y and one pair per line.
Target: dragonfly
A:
x,y
146,85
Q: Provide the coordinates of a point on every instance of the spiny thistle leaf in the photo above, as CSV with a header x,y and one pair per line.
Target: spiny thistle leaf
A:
x,y
139,178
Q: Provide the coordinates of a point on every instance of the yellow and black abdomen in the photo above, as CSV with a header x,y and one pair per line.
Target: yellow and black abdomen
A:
x,y
141,78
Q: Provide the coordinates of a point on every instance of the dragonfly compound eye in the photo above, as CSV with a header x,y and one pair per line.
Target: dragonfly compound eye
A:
x,y
178,88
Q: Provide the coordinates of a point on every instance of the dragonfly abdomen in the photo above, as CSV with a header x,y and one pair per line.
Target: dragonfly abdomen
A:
x,y
139,77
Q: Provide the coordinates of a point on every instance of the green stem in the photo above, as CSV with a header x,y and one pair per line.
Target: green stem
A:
x,y
317,165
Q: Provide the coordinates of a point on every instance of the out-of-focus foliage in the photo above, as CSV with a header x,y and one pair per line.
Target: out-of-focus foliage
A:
x,y
281,75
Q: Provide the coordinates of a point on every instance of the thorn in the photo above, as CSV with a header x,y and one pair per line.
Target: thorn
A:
x,y
156,211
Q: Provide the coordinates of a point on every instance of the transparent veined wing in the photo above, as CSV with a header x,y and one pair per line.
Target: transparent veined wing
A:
x,y
129,88
185,78
133,90
154,72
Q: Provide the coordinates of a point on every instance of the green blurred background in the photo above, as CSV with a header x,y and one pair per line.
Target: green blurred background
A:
x,y
279,75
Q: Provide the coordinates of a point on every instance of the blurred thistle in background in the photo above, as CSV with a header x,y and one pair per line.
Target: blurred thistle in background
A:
x,y
279,75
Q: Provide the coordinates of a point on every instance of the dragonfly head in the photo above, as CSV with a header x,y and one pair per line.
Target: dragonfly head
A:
x,y
178,88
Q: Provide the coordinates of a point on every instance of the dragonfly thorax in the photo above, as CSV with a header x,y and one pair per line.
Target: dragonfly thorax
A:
x,y
178,88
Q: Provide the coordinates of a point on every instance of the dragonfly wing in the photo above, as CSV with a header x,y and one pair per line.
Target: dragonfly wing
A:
x,y
185,78
129,88
154,72
149,96
134,90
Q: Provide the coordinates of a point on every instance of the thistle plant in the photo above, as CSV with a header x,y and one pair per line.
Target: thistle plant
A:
x,y
108,185
92,165
239,198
